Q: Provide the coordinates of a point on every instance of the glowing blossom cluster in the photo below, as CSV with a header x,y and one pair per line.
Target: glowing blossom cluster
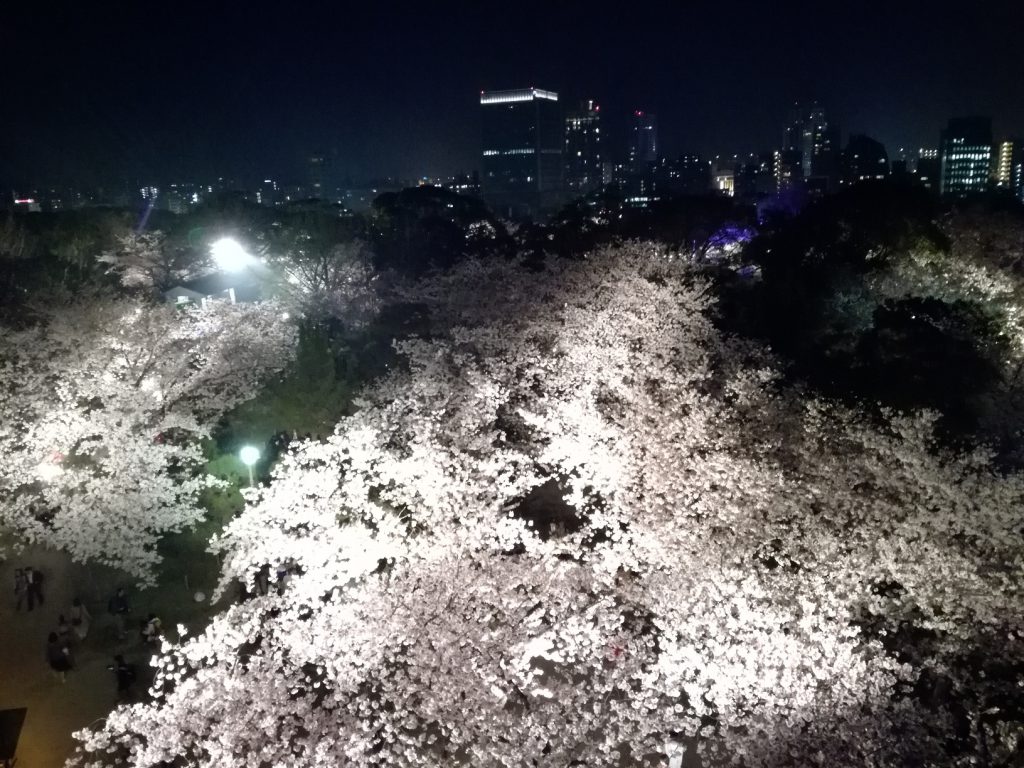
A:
x,y
102,404
584,528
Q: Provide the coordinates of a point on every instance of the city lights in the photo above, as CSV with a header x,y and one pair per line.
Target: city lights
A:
x,y
679,429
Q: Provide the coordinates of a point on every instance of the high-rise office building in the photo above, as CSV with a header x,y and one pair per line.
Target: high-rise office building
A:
x,y
269,193
864,159
787,166
317,172
965,156
643,141
521,166
1017,173
809,133
583,144
1007,158
927,168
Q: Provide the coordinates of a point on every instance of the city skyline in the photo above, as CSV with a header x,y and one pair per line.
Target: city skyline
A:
x,y
173,95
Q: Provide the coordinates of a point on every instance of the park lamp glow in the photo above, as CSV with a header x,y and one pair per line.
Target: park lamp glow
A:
x,y
249,455
48,471
229,255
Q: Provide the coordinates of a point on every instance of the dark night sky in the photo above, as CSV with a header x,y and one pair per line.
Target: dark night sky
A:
x,y
167,91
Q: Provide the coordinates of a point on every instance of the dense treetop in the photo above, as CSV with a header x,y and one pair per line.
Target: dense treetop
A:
x,y
745,491
597,532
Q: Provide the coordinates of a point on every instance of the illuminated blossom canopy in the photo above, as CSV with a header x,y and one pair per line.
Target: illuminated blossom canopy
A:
x,y
147,260
582,527
102,405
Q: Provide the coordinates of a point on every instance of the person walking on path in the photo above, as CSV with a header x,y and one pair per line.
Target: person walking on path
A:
x,y
151,629
80,618
58,656
263,579
125,674
20,588
34,581
119,609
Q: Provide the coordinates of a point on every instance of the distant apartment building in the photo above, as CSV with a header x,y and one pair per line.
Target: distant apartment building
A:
x,y
268,193
643,141
787,166
864,159
686,175
723,181
965,156
809,135
723,173
317,176
463,183
927,168
1008,160
521,164
584,159
1017,175
754,178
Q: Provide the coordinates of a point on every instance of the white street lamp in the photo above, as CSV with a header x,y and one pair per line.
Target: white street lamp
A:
x,y
230,255
249,456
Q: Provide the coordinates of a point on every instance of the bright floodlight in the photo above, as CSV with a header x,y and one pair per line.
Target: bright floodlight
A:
x,y
49,471
249,455
230,255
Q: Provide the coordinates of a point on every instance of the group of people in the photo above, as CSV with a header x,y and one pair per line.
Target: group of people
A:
x,y
73,628
28,587
262,585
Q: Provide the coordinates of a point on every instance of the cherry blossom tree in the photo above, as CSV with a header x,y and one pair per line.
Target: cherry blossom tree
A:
x,y
102,405
148,260
329,281
582,527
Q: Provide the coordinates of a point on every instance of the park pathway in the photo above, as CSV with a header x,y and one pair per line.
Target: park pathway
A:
x,y
55,709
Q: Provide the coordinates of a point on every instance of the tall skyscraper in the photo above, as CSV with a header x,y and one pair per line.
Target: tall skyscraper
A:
x,y
1017,175
809,133
965,156
583,143
317,172
521,167
643,141
787,168
1008,157
928,168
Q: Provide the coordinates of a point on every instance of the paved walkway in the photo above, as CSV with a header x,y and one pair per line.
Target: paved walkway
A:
x,y
56,709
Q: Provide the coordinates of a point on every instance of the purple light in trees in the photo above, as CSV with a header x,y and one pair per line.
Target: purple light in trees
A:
x,y
732,235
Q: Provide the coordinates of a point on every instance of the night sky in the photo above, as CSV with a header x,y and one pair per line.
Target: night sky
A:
x,y
160,92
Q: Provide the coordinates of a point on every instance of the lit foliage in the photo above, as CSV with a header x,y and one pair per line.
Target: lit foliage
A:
x,y
327,281
148,260
984,264
102,404
731,568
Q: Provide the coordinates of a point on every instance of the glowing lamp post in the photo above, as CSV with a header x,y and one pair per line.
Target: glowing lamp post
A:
x,y
249,456
229,255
